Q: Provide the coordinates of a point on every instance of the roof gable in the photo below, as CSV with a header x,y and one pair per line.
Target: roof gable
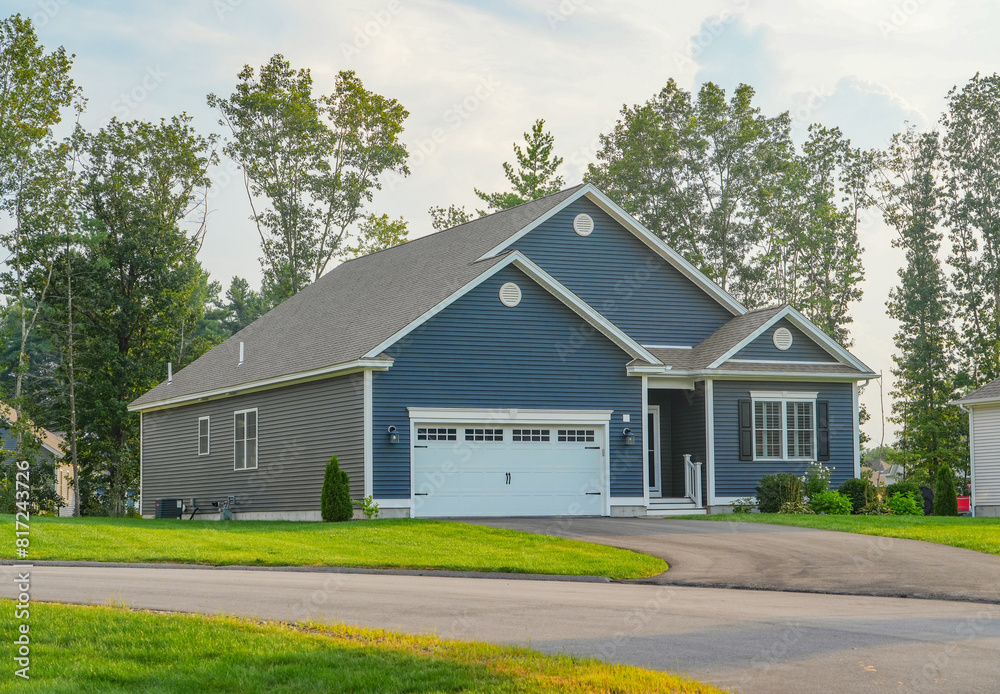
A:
x,y
641,232
614,271
990,393
804,350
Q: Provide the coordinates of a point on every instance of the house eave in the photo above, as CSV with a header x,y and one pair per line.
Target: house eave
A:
x,y
344,369
699,374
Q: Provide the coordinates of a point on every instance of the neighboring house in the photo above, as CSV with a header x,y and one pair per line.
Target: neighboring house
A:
x,y
52,448
883,473
556,358
983,406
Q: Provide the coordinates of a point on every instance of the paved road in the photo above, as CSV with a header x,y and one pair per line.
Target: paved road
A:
x,y
778,557
747,641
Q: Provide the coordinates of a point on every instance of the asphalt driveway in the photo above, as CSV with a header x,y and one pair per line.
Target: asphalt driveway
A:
x,y
776,557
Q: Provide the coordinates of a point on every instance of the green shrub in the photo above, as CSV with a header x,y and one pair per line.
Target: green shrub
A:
x,y
795,506
775,490
904,487
875,508
860,491
335,502
831,503
744,505
368,506
945,498
906,504
817,479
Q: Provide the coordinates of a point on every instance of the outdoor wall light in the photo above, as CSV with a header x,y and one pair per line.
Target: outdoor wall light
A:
x,y
393,435
628,436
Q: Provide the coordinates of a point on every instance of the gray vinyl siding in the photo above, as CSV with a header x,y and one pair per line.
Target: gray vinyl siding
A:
x,y
803,347
621,277
478,353
738,478
298,428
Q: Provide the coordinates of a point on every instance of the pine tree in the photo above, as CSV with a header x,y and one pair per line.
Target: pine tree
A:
x,y
535,176
945,499
335,499
931,430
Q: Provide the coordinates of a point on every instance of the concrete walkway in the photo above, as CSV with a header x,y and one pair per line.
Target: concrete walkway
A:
x,y
777,557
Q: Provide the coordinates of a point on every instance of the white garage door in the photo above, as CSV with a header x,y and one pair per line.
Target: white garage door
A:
x,y
493,470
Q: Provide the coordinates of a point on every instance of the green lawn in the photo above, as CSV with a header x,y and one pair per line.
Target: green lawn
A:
x,y
980,534
409,544
104,649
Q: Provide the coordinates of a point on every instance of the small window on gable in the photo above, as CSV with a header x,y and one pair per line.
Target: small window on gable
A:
x,y
245,440
204,438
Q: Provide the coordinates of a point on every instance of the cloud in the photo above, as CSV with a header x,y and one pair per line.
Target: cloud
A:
x,y
730,53
867,112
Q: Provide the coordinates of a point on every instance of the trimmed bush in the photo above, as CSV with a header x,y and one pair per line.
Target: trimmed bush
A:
x,y
906,504
775,490
904,487
860,491
831,503
335,502
945,498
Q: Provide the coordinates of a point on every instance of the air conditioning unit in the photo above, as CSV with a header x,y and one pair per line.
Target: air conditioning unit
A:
x,y
169,508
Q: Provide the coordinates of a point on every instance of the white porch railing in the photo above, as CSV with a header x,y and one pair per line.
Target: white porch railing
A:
x,y
692,481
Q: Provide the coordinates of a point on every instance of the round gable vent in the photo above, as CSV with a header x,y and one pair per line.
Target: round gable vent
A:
x,y
510,295
583,224
782,338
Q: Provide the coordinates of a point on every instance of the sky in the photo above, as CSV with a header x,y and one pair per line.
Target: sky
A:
x,y
475,75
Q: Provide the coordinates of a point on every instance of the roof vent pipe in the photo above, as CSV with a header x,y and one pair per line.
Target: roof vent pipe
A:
x,y
170,372
241,353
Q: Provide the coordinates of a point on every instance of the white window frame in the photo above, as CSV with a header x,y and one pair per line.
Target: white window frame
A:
x,y
208,435
784,398
256,438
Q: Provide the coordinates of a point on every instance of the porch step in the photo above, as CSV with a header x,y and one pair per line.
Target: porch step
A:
x,y
674,507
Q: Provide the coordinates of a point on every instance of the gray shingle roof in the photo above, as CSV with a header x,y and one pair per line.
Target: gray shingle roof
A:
x,y
356,306
728,336
989,392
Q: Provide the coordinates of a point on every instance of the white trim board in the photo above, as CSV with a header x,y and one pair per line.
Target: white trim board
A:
x,y
369,433
473,415
547,282
639,231
268,383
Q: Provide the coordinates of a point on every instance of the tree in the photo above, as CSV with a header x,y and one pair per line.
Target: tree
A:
x,y
723,185
931,429
244,305
315,159
335,500
970,145
442,218
945,498
535,175
137,277
376,233
35,88
701,174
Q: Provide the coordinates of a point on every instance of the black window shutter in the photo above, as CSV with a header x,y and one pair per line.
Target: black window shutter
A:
x,y
746,431
823,430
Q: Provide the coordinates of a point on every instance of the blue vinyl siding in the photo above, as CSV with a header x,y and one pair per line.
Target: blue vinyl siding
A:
x,y
735,477
803,347
480,353
624,279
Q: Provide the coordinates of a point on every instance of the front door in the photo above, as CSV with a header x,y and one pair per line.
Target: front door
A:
x,y
653,450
